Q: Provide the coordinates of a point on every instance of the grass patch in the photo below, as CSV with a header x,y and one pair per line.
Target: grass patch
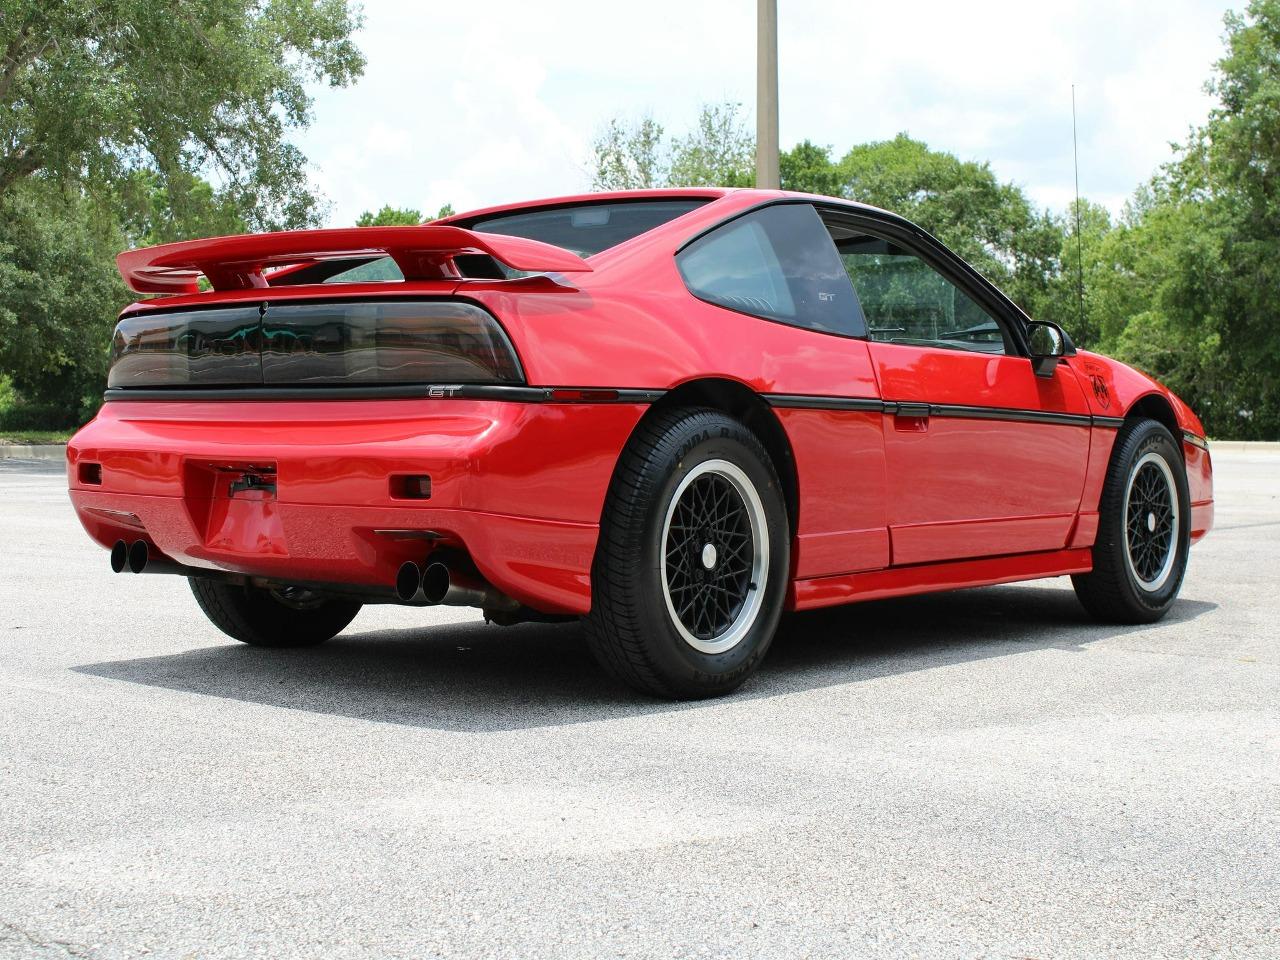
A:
x,y
35,436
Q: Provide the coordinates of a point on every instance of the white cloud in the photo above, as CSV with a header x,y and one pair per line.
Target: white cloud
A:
x,y
499,100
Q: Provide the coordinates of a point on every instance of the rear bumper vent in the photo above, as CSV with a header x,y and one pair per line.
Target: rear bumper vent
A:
x,y
411,486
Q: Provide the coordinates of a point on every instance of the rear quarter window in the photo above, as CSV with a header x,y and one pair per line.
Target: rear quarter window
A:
x,y
777,263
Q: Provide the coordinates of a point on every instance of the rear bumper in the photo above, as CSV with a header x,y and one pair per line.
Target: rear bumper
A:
x,y
518,486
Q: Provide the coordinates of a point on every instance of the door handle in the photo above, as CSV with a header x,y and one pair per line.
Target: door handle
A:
x,y
911,417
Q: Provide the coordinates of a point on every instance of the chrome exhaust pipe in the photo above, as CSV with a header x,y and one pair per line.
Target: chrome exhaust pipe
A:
x,y
409,582
139,557
446,585
143,560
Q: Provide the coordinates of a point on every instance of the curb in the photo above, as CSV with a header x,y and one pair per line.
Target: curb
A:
x,y
37,451
1242,446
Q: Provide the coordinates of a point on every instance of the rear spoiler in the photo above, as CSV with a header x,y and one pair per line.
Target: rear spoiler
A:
x,y
421,253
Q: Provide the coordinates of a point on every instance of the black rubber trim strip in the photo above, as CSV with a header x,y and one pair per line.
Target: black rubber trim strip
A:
x,y
924,410
1005,413
629,395
1195,441
385,391
803,401
389,391
1114,423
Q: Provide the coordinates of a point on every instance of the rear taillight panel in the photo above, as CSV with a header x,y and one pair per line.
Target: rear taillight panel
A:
x,y
314,343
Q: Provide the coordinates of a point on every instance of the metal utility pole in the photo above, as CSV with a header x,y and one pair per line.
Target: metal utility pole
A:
x,y
767,176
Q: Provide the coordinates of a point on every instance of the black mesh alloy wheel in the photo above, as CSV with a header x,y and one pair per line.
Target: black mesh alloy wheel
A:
x,y
690,571
1144,529
715,555
1151,521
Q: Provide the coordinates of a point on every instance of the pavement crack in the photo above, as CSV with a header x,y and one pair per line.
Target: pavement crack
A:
x,y
70,949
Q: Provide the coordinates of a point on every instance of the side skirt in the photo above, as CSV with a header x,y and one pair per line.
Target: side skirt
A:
x,y
930,577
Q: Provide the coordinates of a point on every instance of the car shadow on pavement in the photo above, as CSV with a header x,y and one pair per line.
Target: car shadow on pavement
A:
x,y
475,677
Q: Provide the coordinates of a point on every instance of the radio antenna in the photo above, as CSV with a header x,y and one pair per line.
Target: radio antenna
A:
x,y
1075,155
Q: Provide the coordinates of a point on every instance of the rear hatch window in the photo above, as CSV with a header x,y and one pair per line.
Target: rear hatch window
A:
x,y
586,228
583,228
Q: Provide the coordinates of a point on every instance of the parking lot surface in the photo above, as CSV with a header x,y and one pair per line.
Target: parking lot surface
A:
x,y
979,774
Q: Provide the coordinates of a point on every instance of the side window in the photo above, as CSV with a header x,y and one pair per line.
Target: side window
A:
x,y
905,300
777,263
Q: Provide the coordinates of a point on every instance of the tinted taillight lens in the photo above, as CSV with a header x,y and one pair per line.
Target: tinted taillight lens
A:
x,y
389,342
430,341
197,348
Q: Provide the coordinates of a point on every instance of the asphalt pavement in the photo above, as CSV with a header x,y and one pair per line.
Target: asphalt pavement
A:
x,y
984,773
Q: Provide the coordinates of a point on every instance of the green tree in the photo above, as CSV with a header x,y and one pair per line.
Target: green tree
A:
x,y
1235,161
1079,292
148,214
629,156
808,168
91,90
1156,305
1199,258
390,216
718,152
59,293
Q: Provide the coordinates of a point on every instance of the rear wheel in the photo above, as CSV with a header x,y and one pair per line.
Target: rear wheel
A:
x,y
691,568
283,617
1140,555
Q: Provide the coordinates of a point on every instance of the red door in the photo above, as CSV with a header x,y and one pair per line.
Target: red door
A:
x,y
983,457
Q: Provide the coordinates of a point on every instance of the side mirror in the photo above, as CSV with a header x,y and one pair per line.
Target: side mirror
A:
x,y
1048,343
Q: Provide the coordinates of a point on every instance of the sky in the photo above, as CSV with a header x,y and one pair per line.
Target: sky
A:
x,y
493,101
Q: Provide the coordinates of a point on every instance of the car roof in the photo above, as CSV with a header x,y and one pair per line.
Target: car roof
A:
x,y
750,195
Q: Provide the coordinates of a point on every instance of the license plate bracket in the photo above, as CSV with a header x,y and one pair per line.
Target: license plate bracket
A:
x,y
234,506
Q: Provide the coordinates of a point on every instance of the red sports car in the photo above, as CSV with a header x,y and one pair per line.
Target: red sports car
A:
x,y
674,413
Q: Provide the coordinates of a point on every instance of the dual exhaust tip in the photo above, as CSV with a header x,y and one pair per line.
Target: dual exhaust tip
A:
x,y
440,583
138,557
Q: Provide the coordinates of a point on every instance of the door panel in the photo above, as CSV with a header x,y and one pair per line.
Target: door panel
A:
x,y
990,460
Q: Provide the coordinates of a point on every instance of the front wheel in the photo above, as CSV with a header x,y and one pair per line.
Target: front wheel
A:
x,y
1144,529
691,569
283,617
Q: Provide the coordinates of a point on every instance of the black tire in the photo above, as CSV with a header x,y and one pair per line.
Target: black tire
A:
x,y
261,619
634,628
1134,580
